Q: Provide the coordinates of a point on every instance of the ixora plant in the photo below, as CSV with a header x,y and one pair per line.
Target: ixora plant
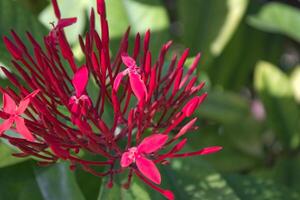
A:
x,y
56,118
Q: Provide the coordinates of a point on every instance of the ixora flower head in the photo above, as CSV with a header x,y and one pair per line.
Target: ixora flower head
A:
x,y
57,117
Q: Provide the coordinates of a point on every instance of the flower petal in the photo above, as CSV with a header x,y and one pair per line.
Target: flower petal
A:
x,y
22,129
138,86
126,160
204,151
152,143
80,80
148,169
193,104
118,79
62,23
185,128
25,102
128,61
6,125
9,105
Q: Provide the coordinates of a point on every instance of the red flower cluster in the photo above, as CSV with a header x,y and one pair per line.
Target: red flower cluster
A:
x,y
60,118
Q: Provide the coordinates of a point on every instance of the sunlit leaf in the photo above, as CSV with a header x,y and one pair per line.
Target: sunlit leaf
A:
x,y
275,90
208,25
278,18
295,79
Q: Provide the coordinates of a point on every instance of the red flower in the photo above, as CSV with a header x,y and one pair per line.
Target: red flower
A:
x,y
15,112
138,155
64,118
137,84
80,102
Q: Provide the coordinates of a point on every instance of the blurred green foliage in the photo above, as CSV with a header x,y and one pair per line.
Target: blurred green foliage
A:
x,y
250,58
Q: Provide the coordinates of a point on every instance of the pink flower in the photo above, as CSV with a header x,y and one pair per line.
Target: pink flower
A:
x,y
136,82
138,155
80,102
15,112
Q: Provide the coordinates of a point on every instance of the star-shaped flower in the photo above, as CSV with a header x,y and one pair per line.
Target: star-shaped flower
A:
x,y
137,84
15,112
138,155
80,102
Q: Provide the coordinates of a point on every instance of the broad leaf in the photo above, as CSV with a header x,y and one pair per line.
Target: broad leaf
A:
x,y
136,191
233,69
278,18
6,156
250,188
15,16
208,25
295,79
18,183
223,107
57,182
275,90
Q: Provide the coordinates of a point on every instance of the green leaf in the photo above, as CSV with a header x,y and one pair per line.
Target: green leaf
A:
x,y
285,171
88,183
140,15
136,191
278,18
15,16
233,69
295,79
250,188
224,107
6,156
78,10
57,182
18,183
208,25
194,179
275,90
187,178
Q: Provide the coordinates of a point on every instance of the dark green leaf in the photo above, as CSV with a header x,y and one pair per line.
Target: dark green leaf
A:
x,y
208,25
249,188
224,107
15,16
233,69
57,182
136,191
18,183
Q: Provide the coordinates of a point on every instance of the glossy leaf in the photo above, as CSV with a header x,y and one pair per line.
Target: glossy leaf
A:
x,y
250,188
14,15
6,156
278,18
295,79
275,90
224,107
136,191
209,36
233,69
18,182
57,182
